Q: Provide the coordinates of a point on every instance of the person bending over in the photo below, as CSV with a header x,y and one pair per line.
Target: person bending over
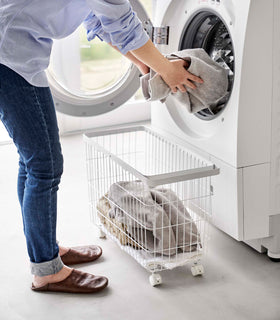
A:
x,y
27,28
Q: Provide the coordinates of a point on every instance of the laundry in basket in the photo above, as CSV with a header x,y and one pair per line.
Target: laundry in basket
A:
x,y
150,194
154,217
116,228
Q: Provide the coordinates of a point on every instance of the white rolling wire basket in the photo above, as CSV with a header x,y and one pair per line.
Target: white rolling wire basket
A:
x,y
151,196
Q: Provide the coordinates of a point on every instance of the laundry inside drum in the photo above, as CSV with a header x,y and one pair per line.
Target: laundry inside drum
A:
x,y
206,30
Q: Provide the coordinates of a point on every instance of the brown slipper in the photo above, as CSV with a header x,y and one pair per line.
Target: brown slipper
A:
x,y
76,282
81,254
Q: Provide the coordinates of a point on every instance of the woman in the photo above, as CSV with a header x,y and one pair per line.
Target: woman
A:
x,y
27,28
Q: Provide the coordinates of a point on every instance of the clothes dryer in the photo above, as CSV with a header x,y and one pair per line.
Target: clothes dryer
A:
x,y
241,136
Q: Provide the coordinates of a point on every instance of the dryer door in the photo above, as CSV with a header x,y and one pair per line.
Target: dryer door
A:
x,y
91,78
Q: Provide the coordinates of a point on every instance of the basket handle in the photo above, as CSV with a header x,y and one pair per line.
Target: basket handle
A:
x,y
183,175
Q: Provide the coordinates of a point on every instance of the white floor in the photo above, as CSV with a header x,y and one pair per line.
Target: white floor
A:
x,y
239,283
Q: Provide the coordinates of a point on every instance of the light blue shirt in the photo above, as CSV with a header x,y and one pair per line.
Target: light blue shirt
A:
x,y
27,28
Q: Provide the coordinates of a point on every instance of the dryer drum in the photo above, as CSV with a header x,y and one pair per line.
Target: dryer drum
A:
x,y
206,30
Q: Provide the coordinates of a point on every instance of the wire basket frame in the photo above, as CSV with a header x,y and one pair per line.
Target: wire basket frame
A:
x,y
150,195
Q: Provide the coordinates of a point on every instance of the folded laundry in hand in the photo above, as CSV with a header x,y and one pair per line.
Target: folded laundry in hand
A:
x,y
211,93
155,217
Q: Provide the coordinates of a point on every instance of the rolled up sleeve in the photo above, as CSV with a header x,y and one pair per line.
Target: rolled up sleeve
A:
x,y
115,21
94,28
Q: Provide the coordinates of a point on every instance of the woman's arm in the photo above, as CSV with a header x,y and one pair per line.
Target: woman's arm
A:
x,y
139,64
172,72
119,23
125,31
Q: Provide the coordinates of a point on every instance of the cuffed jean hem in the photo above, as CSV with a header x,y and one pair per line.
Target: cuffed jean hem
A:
x,y
46,268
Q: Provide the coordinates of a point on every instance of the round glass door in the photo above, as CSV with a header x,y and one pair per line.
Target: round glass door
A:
x,y
91,78
206,30
95,66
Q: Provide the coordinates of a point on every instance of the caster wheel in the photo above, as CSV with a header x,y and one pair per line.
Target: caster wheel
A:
x,y
197,270
102,235
155,279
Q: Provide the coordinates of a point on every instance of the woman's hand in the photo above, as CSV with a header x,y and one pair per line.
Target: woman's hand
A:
x,y
177,77
172,72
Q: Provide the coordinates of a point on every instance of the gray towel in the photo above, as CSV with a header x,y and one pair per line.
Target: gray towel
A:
x,y
155,218
210,94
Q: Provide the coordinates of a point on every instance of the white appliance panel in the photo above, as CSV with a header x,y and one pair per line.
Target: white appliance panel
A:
x,y
221,136
256,182
227,199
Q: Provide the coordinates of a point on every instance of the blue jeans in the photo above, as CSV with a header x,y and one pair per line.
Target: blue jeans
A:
x,y
29,116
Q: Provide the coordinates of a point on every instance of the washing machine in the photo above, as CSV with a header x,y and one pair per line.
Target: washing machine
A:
x,y
241,136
